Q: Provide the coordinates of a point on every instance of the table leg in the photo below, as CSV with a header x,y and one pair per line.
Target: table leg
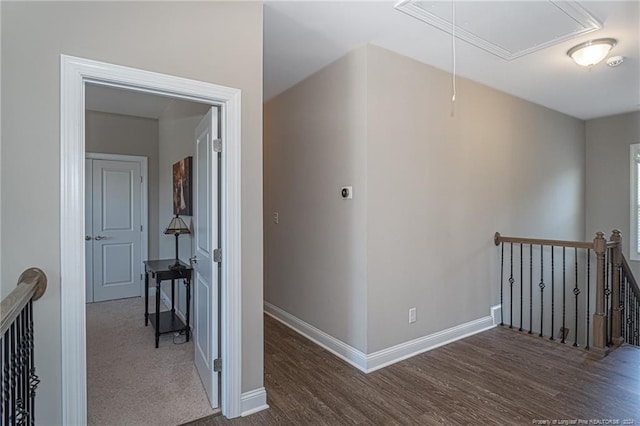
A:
x,y
157,311
173,296
187,283
146,298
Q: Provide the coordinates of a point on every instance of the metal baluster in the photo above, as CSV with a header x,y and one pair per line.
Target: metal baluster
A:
x,y
553,290
588,294
2,409
637,323
623,309
6,369
564,294
511,281
607,294
520,329
634,325
576,292
629,316
542,286
20,415
12,372
530,288
501,283
34,381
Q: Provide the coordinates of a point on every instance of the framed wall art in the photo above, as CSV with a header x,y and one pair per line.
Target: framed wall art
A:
x,y
182,187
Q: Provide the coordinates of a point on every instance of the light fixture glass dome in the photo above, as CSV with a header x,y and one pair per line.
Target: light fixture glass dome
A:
x,y
591,52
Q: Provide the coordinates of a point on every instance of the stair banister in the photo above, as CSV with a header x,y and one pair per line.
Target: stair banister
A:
x,y
616,262
599,320
18,378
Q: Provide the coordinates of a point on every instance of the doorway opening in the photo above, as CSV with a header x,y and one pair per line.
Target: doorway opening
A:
x,y
76,73
133,136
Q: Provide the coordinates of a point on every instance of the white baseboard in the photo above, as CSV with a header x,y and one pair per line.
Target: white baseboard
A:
x,y
330,343
385,357
496,313
253,401
379,359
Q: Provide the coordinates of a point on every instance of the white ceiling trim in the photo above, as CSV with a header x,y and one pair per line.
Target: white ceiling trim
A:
x,y
586,23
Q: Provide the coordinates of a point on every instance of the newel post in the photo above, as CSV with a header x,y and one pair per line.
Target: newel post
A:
x,y
616,263
599,323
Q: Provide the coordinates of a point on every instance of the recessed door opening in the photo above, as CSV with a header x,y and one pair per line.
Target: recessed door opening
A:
x,y
132,142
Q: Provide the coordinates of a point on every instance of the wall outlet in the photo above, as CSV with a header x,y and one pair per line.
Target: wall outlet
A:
x,y
276,218
412,315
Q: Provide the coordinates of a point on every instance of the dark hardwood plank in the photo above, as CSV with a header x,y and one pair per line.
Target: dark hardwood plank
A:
x,y
496,377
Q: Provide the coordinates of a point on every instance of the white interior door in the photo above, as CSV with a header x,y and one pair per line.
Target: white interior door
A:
x,y
115,226
205,282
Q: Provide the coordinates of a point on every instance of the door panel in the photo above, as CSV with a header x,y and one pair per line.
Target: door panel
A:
x,y
116,229
206,240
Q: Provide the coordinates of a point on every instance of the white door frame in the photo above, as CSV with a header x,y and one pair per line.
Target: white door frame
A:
x,y
74,74
144,200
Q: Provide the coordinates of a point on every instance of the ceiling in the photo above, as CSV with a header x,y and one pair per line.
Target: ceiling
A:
x,y
302,37
128,102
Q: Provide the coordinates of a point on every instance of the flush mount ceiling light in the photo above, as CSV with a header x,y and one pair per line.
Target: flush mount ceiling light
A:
x,y
591,52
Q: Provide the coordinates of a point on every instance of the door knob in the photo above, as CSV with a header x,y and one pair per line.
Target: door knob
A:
x,y
193,259
99,237
87,237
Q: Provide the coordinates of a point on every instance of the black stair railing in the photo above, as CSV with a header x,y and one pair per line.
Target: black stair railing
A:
x,y
585,288
626,326
18,379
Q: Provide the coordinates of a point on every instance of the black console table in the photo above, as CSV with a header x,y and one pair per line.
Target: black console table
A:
x,y
167,321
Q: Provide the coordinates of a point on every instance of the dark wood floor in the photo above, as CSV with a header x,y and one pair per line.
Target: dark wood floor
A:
x,y
496,377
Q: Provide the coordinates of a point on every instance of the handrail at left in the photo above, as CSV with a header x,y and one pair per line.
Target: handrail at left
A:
x,y
31,285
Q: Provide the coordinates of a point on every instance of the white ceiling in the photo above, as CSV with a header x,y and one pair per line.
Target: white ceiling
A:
x,y
128,102
301,37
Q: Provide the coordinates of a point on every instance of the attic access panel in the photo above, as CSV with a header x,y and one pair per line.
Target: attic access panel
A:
x,y
508,29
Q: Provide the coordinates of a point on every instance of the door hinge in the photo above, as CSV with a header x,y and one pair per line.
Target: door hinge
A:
x,y
217,145
217,255
217,365
141,277
141,181
140,228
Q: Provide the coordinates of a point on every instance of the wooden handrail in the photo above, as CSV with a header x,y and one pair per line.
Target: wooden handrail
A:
x,y
31,285
535,241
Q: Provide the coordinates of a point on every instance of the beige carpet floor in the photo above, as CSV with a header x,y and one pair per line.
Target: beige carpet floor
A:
x,y
129,381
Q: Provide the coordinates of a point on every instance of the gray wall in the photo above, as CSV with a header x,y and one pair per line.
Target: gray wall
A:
x,y
440,186
122,134
430,190
217,42
608,179
177,140
315,142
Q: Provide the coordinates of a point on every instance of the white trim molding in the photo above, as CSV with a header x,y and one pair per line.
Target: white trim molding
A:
x,y
254,401
385,357
496,312
335,346
74,74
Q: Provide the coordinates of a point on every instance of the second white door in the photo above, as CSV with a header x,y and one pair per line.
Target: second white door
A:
x,y
113,229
